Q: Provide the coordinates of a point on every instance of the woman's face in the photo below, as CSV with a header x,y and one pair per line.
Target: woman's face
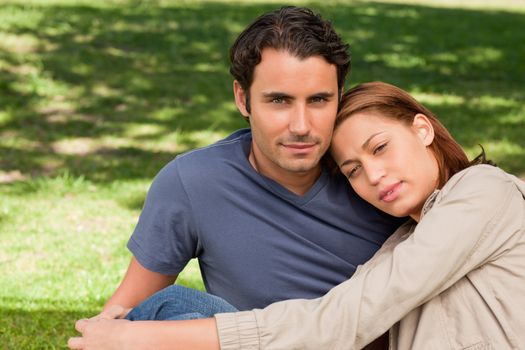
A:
x,y
388,163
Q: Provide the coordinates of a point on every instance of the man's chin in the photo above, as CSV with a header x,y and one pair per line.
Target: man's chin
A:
x,y
301,167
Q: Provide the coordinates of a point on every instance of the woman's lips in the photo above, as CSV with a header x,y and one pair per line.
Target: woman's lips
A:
x,y
390,193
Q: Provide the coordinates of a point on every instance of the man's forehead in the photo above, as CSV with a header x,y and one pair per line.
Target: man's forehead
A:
x,y
279,68
268,54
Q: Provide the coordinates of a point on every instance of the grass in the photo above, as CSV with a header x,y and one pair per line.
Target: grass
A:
x,y
96,96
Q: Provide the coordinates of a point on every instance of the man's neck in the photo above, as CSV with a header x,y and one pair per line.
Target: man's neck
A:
x,y
296,182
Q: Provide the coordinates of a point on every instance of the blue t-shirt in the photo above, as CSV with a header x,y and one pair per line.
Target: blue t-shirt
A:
x,y
256,241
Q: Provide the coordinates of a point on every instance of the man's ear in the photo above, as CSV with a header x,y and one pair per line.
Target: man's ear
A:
x,y
423,128
240,98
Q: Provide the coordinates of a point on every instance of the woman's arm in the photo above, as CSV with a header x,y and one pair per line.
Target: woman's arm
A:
x,y
107,334
467,227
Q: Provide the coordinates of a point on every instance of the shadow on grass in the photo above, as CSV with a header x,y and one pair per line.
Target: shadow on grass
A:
x,y
38,329
49,326
114,93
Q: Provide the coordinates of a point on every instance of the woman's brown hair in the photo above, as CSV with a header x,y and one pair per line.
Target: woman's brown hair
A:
x,y
393,102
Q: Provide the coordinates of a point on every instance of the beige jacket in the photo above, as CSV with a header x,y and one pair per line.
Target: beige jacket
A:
x,y
454,281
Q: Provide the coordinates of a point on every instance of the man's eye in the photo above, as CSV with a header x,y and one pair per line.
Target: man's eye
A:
x,y
318,99
278,100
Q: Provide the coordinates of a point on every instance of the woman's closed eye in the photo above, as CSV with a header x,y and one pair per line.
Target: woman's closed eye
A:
x,y
353,171
380,148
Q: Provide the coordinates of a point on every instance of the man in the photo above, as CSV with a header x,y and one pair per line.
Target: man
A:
x,y
258,209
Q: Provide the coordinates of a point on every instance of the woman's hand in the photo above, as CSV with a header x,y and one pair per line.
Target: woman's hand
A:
x,y
112,334
100,334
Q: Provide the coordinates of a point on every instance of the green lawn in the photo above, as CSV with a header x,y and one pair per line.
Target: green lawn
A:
x,y
96,96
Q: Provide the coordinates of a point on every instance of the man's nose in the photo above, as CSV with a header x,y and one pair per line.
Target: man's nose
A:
x,y
299,120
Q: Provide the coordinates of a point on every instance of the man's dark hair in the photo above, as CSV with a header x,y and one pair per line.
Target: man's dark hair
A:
x,y
296,30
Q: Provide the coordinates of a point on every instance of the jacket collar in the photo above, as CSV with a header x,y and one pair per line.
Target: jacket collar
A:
x,y
429,203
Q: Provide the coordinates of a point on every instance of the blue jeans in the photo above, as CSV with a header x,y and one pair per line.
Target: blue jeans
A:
x,y
179,303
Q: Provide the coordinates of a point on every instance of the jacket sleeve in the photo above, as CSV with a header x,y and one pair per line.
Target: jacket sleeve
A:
x,y
465,228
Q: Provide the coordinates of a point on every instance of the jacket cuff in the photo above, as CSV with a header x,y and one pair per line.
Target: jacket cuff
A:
x,y
238,330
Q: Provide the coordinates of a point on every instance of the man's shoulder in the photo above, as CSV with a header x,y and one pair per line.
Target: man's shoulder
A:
x,y
211,162
217,151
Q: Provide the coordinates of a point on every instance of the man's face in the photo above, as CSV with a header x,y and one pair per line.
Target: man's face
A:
x,y
293,107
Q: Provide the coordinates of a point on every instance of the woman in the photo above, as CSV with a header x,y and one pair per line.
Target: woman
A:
x,y
452,277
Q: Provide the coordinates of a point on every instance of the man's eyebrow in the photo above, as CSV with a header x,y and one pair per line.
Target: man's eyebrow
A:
x,y
275,94
324,94
363,146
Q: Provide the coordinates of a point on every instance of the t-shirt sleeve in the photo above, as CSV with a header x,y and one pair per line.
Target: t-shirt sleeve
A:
x,y
164,239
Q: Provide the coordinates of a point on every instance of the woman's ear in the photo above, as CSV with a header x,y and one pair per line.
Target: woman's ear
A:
x,y
423,128
240,98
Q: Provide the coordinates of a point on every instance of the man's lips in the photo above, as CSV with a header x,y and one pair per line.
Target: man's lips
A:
x,y
299,146
390,193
